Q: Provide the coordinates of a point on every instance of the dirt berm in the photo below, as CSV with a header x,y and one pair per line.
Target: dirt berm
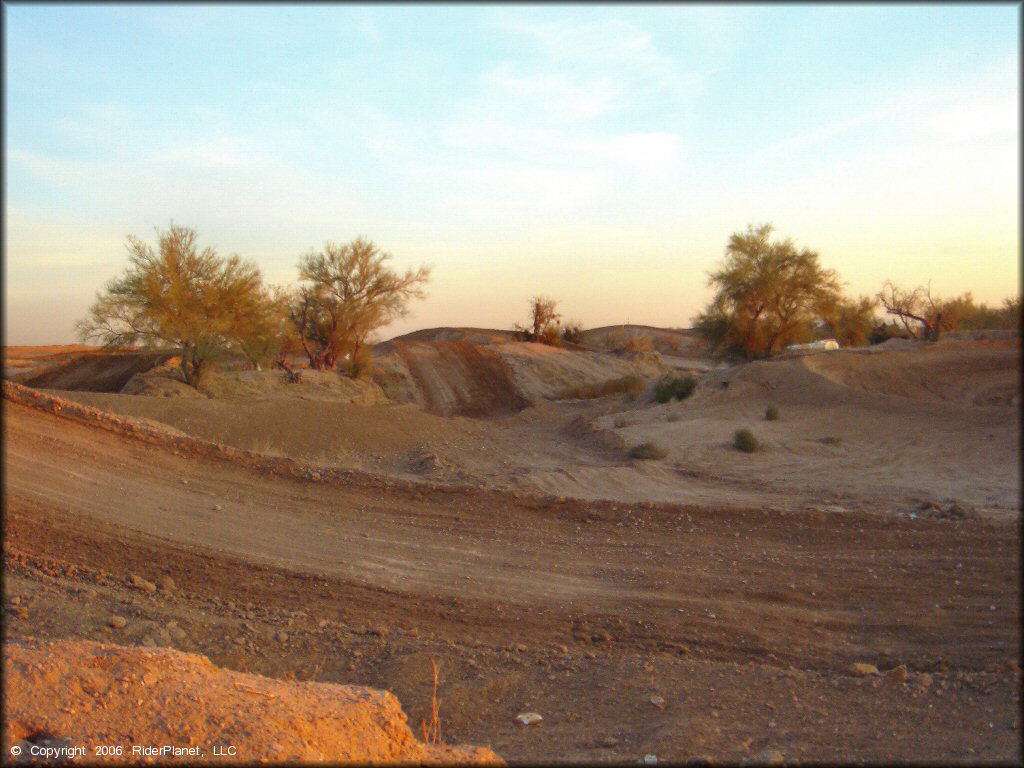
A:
x,y
98,372
86,694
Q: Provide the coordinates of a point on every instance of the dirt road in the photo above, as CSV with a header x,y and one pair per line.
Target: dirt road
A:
x,y
582,609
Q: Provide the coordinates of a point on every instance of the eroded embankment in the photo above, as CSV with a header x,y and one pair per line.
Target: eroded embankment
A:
x,y
99,371
87,695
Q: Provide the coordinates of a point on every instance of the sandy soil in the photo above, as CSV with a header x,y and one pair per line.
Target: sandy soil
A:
x,y
632,628
896,431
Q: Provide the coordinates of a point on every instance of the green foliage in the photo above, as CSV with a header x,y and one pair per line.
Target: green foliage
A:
x,y
647,451
771,413
679,387
349,292
179,296
767,294
745,441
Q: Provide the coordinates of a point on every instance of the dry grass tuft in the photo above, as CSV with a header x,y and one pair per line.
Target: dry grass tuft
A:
x,y
630,384
432,730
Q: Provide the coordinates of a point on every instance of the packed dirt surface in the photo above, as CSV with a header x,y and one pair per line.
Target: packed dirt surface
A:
x,y
145,697
742,630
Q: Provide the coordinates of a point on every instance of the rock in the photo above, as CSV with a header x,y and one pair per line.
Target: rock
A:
x,y
650,759
609,741
528,718
897,674
860,669
90,594
923,680
658,701
217,507
282,637
520,647
167,584
140,583
117,622
16,600
149,642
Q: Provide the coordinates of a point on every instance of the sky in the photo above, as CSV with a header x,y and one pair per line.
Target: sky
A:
x,y
599,154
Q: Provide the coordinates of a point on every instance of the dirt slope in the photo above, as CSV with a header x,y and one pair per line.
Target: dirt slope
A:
x,y
744,622
459,377
88,694
98,371
491,376
922,425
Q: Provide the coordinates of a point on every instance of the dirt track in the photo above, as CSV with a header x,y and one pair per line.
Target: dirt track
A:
x,y
475,383
642,597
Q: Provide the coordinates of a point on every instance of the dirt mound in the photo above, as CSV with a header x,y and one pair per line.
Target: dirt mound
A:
x,y
21,363
159,386
86,694
453,377
544,372
474,335
465,378
667,341
970,373
99,371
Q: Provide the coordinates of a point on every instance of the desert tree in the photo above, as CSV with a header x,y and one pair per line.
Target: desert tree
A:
x,y
178,296
348,292
544,321
919,311
268,340
767,294
849,321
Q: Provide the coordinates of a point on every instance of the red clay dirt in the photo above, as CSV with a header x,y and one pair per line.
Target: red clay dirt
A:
x,y
128,699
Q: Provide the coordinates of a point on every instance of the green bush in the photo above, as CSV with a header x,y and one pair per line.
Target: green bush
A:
x,y
771,413
745,441
647,451
680,387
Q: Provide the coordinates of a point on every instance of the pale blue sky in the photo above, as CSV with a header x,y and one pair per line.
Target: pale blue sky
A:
x,y
600,154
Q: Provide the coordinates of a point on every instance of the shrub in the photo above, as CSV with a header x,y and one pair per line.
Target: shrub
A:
x,y
673,417
683,387
745,441
620,422
647,451
635,343
771,413
630,384
572,332
679,387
